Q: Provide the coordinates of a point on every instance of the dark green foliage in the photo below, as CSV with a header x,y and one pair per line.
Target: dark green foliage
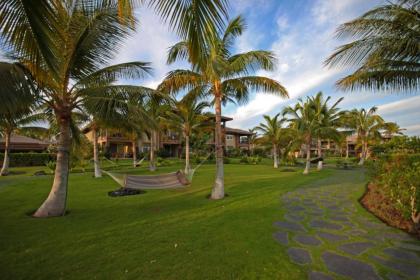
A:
x,y
396,168
28,159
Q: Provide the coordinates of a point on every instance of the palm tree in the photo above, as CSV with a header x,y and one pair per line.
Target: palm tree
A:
x,y
187,117
367,124
303,120
386,50
252,139
18,100
392,129
66,51
272,130
328,120
223,77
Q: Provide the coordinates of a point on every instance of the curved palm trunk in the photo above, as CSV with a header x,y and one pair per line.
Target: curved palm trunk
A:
x,y
152,163
218,191
134,151
5,168
96,163
55,204
308,157
347,149
187,155
320,163
275,156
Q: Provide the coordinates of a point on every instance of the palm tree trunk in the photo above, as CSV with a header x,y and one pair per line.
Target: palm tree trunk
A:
x,y
320,163
218,191
275,156
347,149
134,151
5,168
187,155
96,164
152,163
308,157
363,156
55,204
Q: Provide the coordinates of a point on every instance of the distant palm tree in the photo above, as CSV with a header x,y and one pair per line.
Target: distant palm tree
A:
x,y
328,120
186,116
391,129
67,51
224,77
386,50
271,133
303,120
367,124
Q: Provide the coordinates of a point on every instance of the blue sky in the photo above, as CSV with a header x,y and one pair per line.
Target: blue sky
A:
x,y
301,33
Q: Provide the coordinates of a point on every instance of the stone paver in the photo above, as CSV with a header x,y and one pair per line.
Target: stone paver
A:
x,y
355,248
307,240
316,275
299,255
349,267
323,225
281,237
331,236
289,226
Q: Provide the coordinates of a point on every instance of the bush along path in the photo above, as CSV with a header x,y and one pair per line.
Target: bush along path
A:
x,y
324,230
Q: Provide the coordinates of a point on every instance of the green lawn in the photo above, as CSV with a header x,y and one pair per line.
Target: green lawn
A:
x,y
164,234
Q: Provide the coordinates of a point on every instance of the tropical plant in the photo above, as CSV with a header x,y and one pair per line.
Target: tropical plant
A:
x,y
187,117
386,51
302,118
393,129
367,124
223,77
18,100
271,132
66,47
328,120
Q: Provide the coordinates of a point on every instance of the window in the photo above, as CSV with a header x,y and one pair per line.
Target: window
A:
x,y
243,140
229,137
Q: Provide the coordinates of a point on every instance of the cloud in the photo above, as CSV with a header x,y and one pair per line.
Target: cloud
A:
x,y
406,105
301,46
149,43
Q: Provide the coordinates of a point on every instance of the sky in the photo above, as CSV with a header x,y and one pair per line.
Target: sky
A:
x,y
301,34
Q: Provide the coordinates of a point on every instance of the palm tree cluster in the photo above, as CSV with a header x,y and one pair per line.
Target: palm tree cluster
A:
x,y
62,52
61,73
312,120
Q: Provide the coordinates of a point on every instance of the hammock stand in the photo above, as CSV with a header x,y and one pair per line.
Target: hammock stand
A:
x,y
171,180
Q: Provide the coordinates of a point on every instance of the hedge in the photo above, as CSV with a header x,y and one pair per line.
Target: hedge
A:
x,y
28,159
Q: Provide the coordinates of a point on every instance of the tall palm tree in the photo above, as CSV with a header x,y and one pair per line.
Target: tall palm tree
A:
x,y
385,51
328,120
303,120
67,51
187,117
252,139
224,77
272,130
367,124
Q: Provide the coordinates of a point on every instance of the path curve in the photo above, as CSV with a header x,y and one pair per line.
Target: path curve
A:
x,y
324,229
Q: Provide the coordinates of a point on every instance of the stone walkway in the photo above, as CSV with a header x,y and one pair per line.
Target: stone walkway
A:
x,y
327,232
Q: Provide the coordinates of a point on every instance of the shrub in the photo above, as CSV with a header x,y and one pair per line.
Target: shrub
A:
x,y
162,162
397,171
226,160
28,159
51,165
250,160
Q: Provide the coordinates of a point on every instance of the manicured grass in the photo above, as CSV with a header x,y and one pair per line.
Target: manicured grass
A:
x,y
165,234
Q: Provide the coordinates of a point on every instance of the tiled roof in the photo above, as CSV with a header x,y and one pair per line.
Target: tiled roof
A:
x,y
237,131
20,139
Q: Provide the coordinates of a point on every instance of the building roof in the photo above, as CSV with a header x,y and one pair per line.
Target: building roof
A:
x,y
20,142
237,131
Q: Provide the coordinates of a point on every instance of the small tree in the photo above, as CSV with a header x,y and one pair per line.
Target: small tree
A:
x,y
271,133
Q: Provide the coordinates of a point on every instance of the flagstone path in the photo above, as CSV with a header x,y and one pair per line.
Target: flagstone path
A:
x,y
324,229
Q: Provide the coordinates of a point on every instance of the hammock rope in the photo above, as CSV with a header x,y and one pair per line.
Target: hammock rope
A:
x,y
160,181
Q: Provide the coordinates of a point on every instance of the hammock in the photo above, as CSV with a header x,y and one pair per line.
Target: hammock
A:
x,y
139,162
160,181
